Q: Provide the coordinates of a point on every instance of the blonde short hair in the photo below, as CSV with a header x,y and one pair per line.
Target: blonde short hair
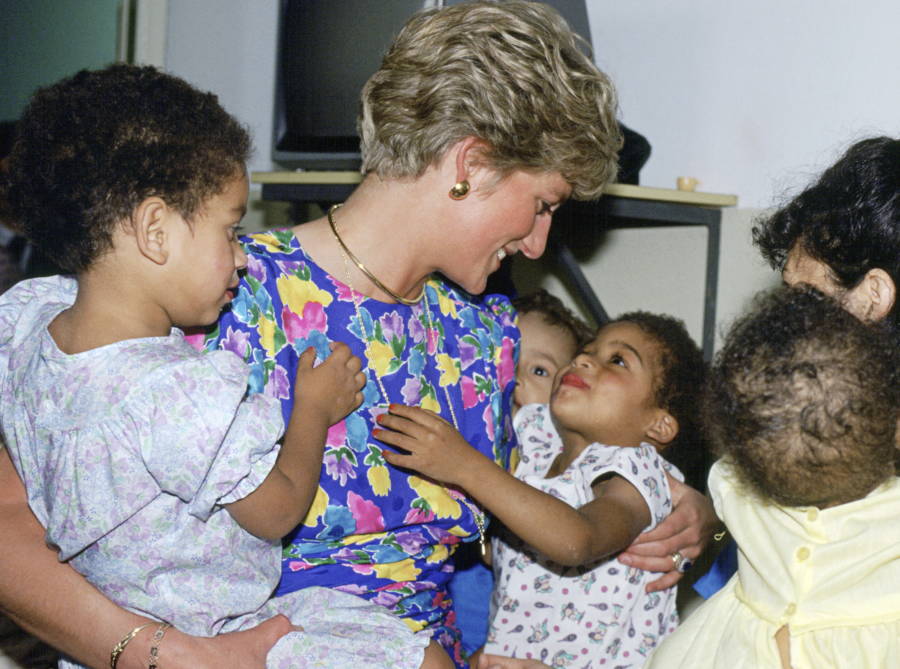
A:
x,y
510,73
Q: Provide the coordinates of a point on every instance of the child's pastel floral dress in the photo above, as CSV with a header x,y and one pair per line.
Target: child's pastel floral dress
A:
x,y
128,453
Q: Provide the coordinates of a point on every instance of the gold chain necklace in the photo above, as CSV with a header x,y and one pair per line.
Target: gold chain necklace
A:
x,y
363,268
347,256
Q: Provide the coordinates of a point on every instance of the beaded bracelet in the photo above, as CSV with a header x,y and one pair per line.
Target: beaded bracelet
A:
x,y
154,647
119,647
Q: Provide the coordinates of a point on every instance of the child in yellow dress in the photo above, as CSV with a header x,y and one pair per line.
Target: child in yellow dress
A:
x,y
802,406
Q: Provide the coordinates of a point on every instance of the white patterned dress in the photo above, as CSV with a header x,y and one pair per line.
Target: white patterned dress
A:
x,y
128,453
595,615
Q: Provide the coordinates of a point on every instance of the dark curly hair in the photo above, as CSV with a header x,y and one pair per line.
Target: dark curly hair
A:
x,y
849,219
678,389
803,400
555,313
91,147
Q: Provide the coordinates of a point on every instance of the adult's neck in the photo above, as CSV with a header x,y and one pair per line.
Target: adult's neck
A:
x,y
391,226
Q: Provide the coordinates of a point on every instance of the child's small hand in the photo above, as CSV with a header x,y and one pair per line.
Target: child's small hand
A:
x,y
334,387
435,448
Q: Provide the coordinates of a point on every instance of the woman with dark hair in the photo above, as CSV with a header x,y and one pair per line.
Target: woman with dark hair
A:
x,y
842,234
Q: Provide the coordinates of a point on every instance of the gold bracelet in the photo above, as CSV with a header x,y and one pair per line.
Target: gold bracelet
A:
x,y
119,647
154,647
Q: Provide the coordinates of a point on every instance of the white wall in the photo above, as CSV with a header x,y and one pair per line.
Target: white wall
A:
x,y
752,97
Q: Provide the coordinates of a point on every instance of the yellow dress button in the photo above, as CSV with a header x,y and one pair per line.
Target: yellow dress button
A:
x,y
791,609
802,553
812,515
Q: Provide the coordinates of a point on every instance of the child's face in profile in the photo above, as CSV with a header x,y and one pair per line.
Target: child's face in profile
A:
x,y
606,394
545,349
206,257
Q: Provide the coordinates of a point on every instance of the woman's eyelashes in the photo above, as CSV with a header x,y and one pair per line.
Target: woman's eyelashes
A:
x,y
235,231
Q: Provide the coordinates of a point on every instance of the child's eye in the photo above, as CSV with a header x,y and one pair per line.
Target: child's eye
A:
x,y
234,232
617,359
540,371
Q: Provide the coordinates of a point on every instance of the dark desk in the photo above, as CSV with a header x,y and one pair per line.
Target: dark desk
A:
x,y
621,206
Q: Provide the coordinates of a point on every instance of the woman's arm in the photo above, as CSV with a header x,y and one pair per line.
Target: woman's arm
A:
x,y
564,534
686,530
52,601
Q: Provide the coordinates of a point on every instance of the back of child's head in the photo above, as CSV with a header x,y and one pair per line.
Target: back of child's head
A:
x,y
803,401
91,147
554,313
678,388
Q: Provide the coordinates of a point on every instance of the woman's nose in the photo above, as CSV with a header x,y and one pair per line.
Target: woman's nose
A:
x,y
534,244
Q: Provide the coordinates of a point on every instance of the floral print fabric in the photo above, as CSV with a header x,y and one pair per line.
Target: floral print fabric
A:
x,y
595,615
128,452
374,530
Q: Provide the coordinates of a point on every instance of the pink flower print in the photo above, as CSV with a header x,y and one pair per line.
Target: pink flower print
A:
x,y
343,291
506,369
367,515
298,565
364,569
412,390
386,599
416,516
197,340
278,385
298,327
337,435
470,395
432,336
256,268
488,417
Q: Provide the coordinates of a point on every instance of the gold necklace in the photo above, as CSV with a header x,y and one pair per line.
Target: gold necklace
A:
x,y
363,268
477,514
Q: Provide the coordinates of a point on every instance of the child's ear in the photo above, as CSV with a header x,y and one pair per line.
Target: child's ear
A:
x,y
664,428
149,226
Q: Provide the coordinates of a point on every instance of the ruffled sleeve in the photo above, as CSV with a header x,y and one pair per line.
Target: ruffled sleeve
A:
x,y
209,445
182,429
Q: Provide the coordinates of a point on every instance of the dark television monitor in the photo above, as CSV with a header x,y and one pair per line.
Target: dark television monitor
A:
x,y
327,50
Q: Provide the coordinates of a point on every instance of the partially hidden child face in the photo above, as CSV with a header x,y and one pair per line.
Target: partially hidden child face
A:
x,y
206,257
545,349
606,394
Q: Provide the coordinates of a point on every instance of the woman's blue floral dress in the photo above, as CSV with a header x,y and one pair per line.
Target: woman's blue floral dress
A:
x,y
373,530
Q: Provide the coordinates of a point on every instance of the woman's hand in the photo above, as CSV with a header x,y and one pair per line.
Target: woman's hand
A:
x,y
246,649
486,661
686,530
434,447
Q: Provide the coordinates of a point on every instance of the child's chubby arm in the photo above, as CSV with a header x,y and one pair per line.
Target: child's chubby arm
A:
x,y
564,534
323,395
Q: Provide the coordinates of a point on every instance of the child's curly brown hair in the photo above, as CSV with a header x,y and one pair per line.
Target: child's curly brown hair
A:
x,y
803,400
554,312
91,147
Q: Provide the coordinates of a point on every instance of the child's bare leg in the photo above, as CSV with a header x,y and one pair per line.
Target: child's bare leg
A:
x,y
436,657
783,641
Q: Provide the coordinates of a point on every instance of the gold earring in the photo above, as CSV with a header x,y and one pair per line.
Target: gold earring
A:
x,y
460,190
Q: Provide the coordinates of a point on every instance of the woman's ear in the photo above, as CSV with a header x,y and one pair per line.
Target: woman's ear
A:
x,y
149,226
873,298
471,161
663,429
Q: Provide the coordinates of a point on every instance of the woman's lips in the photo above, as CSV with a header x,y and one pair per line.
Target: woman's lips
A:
x,y
574,380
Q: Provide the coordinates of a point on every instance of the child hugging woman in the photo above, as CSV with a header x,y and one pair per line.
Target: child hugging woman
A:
x,y
591,478
152,472
802,407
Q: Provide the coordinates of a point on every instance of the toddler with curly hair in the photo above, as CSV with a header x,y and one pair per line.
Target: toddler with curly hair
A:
x,y
802,406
